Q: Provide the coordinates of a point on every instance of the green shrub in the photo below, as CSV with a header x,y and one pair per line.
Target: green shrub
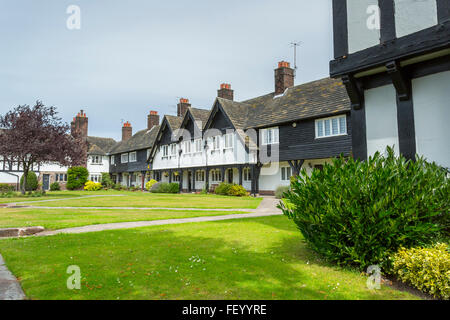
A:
x,y
32,181
77,178
280,191
92,186
359,213
427,269
106,180
150,184
164,187
8,194
55,187
223,189
5,188
237,191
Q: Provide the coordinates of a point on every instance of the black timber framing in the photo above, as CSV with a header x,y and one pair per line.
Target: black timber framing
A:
x,y
443,10
340,34
387,20
296,166
405,110
428,40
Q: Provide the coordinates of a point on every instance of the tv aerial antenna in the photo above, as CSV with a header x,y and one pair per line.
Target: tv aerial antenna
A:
x,y
295,45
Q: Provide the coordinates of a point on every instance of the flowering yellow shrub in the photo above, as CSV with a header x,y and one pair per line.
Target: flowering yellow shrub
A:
x,y
150,184
92,186
427,269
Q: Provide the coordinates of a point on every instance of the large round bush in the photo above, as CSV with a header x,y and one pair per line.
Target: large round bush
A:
x,y
357,213
76,178
32,181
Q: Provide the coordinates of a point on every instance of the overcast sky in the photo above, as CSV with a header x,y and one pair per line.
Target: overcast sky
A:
x,y
133,56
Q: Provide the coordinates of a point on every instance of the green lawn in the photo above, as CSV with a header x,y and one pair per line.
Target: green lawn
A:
x,y
68,218
260,258
141,200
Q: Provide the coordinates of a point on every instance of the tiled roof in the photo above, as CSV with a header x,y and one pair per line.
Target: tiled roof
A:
x,y
310,100
143,139
100,146
200,115
174,121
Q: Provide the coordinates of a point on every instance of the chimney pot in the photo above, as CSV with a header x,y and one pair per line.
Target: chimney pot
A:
x,y
225,91
284,77
182,107
152,119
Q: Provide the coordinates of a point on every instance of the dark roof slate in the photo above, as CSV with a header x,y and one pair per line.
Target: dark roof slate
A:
x,y
319,98
143,139
100,146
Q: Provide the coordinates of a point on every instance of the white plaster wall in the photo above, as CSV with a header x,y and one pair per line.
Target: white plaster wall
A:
x,y
360,36
270,182
381,119
98,168
431,97
235,155
413,15
6,178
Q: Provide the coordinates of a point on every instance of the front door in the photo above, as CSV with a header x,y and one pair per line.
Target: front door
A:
x,y
230,175
46,182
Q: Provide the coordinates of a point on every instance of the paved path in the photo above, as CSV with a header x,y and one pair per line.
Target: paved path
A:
x,y
143,208
10,288
266,208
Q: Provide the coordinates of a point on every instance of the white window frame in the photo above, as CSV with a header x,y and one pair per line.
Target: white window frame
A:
x,y
247,174
215,143
132,157
122,158
200,176
173,150
286,173
270,136
112,160
187,147
320,126
165,151
198,145
228,141
96,159
216,175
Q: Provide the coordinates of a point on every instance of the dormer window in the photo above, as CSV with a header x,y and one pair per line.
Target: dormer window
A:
x,y
173,150
216,143
165,151
270,136
228,139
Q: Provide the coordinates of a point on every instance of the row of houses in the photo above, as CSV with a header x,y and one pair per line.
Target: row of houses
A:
x,y
389,86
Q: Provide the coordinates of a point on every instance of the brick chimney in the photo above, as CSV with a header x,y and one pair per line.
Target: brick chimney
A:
x,y
127,131
152,119
225,91
182,107
79,125
284,77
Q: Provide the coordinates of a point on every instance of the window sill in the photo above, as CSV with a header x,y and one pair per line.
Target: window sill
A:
x,y
332,136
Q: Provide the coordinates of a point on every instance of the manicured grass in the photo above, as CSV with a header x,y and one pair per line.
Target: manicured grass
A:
x,y
142,200
260,258
68,218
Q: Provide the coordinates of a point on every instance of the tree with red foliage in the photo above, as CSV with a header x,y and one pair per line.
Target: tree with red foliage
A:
x,y
32,136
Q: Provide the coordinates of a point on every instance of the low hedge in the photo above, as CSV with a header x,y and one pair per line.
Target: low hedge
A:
x,y
55,187
5,188
165,187
427,269
359,213
228,189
